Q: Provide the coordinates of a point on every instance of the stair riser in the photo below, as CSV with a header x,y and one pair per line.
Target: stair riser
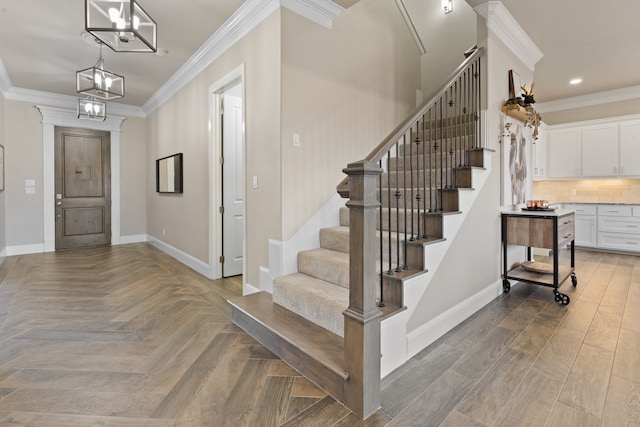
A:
x,y
433,221
292,355
333,271
420,162
338,273
407,197
415,179
340,242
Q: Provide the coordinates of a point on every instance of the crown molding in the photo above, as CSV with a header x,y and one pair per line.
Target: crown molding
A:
x,y
322,12
503,25
69,118
243,21
68,102
597,98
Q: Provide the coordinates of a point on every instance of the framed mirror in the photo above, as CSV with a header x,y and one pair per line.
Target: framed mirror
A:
x,y
169,174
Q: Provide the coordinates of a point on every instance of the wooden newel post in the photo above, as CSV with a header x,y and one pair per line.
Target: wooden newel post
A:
x,y
362,317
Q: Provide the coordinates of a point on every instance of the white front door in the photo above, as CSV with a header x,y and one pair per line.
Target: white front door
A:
x,y
232,183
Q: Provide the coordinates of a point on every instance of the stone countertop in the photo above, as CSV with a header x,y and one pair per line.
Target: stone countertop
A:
x,y
594,203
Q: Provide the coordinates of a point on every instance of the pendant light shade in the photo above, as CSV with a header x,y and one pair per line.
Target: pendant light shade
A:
x,y
92,109
100,83
122,25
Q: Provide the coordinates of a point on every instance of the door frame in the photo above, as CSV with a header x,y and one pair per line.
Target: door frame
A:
x,y
215,170
52,117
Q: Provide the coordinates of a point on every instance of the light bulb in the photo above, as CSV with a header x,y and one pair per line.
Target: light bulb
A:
x,y
97,78
107,82
136,22
87,107
114,15
96,108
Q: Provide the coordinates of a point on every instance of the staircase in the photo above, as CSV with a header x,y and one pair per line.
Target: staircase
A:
x,y
415,177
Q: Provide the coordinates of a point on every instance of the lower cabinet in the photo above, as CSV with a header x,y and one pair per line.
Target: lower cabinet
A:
x,y
586,234
615,227
618,229
586,225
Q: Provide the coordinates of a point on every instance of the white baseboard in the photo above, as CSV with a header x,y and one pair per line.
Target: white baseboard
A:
x,y
199,266
266,281
135,238
428,333
248,289
25,249
38,248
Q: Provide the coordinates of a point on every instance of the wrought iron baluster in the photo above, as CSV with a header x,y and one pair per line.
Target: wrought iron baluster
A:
x,y
381,303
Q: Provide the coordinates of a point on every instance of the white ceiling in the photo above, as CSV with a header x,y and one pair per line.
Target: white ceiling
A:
x,y
41,44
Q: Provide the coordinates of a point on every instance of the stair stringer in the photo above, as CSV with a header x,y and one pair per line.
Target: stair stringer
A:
x,y
396,347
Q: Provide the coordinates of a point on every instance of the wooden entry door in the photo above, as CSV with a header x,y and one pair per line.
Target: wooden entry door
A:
x,y
82,188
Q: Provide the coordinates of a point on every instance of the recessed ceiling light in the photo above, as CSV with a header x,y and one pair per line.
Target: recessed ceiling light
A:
x,y
575,81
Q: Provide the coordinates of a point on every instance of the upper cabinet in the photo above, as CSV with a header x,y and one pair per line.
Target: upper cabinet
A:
x,y
630,148
600,151
564,153
609,149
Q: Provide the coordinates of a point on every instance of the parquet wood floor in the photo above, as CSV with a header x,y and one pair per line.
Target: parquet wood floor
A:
x,y
127,336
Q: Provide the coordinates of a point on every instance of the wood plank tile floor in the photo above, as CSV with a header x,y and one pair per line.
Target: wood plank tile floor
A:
x,y
127,336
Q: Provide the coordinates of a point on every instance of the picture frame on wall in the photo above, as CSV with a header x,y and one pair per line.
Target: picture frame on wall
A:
x,y
1,167
514,84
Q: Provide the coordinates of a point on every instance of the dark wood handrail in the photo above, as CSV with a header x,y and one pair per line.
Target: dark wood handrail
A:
x,y
383,148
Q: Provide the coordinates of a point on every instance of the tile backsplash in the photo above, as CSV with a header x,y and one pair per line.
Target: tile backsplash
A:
x,y
588,191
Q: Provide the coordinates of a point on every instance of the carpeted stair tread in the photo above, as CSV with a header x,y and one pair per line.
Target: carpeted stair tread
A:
x,y
325,264
335,238
314,299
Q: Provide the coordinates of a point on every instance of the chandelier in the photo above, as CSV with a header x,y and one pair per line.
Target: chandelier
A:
x,y
98,82
92,109
122,25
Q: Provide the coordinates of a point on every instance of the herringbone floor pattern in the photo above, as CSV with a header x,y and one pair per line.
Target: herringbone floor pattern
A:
x,y
127,336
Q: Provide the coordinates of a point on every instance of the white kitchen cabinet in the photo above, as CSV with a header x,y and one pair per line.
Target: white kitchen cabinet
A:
x,y
539,156
563,153
599,151
586,225
630,148
618,229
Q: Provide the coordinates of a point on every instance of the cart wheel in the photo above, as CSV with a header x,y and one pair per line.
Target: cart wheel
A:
x,y
574,279
506,286
562,299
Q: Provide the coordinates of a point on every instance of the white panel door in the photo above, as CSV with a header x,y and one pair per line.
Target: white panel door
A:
x,y
232,186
